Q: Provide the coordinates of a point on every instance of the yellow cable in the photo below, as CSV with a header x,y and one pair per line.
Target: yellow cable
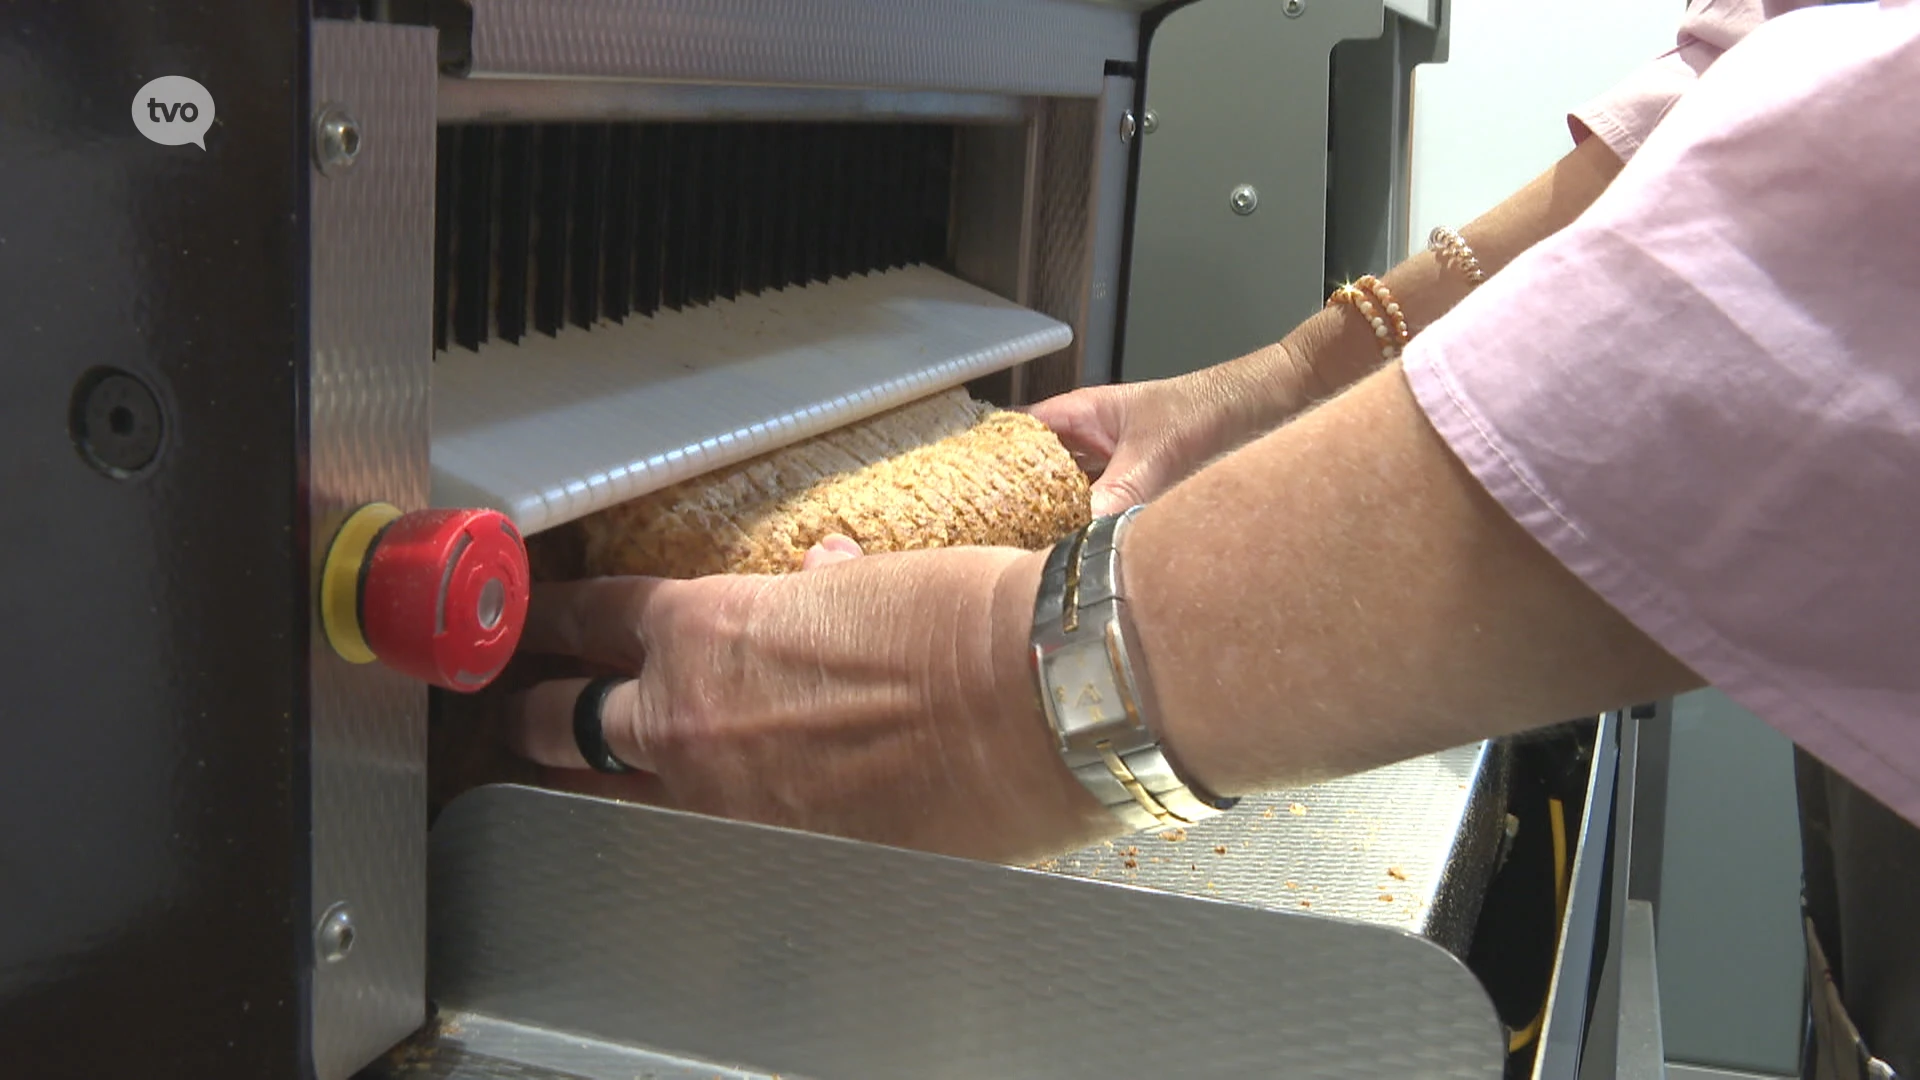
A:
x,y
1519,1040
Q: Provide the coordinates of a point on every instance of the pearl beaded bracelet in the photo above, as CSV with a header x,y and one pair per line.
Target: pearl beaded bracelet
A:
x,y
1452,251
1375,303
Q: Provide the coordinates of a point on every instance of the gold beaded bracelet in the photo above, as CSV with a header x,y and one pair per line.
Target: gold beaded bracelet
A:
x,y
1454,254
1375,303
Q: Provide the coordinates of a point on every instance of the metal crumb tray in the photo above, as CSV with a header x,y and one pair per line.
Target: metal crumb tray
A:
x,y
1409,846
573,937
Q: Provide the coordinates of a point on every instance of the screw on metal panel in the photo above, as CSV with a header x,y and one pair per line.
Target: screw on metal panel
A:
x,y
1293,8
333,940
1244,200
336,139
1127,126
1149,122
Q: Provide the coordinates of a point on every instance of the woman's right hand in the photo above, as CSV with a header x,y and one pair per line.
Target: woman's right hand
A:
x,y
1139,439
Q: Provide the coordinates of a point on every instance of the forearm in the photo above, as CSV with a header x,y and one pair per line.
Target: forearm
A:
x,y
1358,599
1334,349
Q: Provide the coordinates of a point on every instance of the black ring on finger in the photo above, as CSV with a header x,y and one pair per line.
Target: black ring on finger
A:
x,y
590,728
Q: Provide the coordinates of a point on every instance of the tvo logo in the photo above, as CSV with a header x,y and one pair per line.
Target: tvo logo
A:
x,y
173,111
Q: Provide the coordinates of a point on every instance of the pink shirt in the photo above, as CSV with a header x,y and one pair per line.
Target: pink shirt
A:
x,y
1624,116
1704,395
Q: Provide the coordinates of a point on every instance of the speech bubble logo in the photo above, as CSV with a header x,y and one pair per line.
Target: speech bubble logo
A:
x,y
173,110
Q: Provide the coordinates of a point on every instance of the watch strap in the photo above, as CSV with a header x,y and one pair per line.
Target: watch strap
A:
x,y
1097,694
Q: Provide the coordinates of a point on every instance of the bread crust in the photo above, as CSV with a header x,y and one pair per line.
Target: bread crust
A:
x,y
944,471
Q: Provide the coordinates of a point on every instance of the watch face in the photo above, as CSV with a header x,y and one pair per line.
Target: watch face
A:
x,y
1086,694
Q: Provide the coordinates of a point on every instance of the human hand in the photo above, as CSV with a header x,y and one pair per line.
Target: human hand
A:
x,y
1139,439
886,698
833,548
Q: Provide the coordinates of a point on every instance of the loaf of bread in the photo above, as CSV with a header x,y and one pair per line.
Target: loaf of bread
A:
x,y
944,471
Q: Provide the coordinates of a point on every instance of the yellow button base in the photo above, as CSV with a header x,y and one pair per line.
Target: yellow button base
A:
x,y
340,580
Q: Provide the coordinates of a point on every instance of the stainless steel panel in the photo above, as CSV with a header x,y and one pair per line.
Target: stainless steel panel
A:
x,y
1424,11
994,180
1050,47
531,100
1038,218
1063,207
1562,1032
372,347
1239,96
1369,184
1107,233
1410,846
1734,973
781,951
1601,1039
1640,1053
1676,1071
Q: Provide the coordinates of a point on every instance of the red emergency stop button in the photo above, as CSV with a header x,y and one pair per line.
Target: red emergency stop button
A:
x,y
440,595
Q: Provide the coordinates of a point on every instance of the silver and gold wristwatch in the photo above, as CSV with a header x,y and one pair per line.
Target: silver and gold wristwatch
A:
x,y
1095,687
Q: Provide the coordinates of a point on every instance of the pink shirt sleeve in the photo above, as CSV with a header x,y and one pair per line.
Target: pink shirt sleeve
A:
x,y
1704,395
1624,116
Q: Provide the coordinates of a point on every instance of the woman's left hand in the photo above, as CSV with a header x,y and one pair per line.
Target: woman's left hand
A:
x,y
884,697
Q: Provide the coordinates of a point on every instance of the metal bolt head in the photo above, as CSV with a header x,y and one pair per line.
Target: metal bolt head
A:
x,y
336,139
1128,125
333,939
1244,200
1293,8
1149,122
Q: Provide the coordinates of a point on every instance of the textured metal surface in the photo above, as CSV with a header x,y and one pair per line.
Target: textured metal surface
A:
x,y
545,431
812,955
152,732
1051,47
468,1046
372,352
1240,93
533,100
1410,846
1063,205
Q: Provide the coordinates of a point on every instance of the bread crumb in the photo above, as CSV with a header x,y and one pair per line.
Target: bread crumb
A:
x,y
1396,873
1267,813
1387,897
1296,810
1131,864
1306,903
1174,836
1293,884
1219,849
1130,851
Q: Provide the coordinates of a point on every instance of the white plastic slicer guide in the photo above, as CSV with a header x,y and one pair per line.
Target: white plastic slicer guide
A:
x,y
553,429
